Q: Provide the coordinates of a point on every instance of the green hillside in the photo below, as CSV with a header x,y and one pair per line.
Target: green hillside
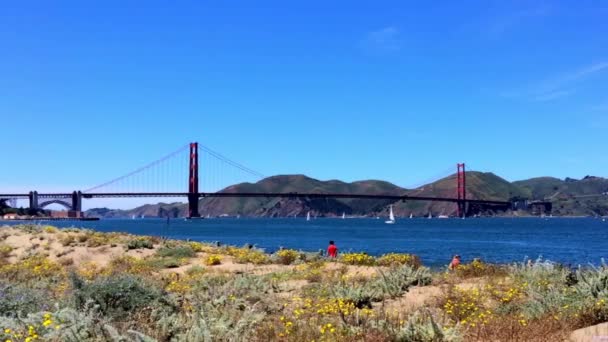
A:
x,y
569,197
587,196
283,207
480,185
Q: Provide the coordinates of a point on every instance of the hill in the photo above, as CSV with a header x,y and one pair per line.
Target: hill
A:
x,y
479,185
282,207
148,210
570,196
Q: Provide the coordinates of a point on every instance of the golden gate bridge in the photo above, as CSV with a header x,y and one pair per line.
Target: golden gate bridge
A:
x,y
162,172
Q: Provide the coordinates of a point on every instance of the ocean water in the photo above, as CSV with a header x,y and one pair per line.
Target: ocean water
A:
x,y
567,240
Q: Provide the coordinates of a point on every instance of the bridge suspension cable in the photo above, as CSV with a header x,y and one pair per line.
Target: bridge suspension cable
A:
x,y
440,175
139,170
231,162
170,174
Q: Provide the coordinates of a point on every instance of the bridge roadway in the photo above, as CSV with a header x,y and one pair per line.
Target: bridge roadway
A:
x,y
262,194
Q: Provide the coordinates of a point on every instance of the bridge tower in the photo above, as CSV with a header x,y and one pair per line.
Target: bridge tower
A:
x,y
33,197
193,194
77,201
462,190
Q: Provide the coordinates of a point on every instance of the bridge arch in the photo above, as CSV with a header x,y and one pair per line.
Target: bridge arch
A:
x,y
65,204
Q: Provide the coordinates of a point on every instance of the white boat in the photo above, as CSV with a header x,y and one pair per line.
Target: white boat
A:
x,y
208,216
143,216
343,216
308,216
132,217
411,215
430,215
442,216
391,217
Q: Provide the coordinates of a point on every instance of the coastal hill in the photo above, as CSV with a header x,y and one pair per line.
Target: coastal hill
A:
x,y
281,207
480,185
587,196
570,197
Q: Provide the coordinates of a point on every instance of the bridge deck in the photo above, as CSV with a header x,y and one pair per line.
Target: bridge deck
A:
x,y
259,194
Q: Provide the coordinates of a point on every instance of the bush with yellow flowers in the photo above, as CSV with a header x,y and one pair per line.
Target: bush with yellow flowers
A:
x,y
287,256
467,307
361,259
31,268
89,270
129,264
395,259
478,268
213,260
50,229
45,326
247,255
5,250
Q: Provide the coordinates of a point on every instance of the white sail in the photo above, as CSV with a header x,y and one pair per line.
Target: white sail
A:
x,y
411,215
391,216
343,216
430,215
308,216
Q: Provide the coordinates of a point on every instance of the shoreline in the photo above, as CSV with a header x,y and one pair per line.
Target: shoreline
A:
x,y
296,218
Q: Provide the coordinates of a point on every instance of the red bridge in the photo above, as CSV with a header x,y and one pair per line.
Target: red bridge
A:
x,y
73,200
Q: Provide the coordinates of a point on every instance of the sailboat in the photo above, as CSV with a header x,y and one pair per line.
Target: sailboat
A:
x,y
308,216
411,215
430,215
132,217
343,216
391,217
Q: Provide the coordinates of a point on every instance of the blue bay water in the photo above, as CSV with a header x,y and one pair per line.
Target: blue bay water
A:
x,y
567,240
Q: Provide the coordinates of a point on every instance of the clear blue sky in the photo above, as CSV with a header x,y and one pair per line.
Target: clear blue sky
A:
x,y
332,89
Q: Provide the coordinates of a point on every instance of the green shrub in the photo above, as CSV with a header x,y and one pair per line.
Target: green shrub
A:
x,y
140,243
422,327
593,282
179,251
118,296
398,280
168,262
18,300
361,296
66,325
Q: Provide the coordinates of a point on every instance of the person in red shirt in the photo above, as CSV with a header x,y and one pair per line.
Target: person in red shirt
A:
x,y
455,262
332,250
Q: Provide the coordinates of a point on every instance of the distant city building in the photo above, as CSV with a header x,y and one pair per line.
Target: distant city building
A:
x,y
11,216
65,214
